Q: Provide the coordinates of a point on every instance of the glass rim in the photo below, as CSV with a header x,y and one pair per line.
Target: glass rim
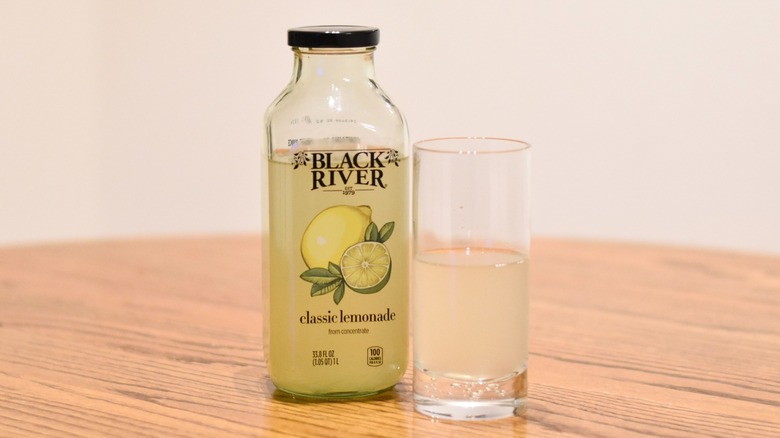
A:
x,y
507,145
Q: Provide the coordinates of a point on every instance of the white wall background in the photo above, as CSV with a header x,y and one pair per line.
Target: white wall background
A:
x,y
654,121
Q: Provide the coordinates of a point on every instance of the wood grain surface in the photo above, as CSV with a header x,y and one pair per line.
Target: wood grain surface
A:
x,y
163,338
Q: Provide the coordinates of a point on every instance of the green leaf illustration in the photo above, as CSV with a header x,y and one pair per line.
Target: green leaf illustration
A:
x,y
322,289
372,233
334,269
339,293
319,276
386,232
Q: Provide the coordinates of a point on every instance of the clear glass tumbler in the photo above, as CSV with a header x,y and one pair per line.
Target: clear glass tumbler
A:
x,y
470,277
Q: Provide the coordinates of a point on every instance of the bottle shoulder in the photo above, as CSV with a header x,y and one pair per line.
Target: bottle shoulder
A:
x,y
335,112
365,100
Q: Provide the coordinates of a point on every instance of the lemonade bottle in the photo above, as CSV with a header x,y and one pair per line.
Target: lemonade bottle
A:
x,y
336,312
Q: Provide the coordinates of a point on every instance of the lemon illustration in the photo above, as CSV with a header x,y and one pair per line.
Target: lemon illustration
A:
x,y
366,267
332,231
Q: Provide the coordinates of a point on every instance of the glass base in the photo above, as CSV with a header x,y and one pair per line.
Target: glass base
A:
x,y
333,395
457,399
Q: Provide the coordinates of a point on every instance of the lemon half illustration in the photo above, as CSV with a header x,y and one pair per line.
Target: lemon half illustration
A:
x,y
331,232
366,267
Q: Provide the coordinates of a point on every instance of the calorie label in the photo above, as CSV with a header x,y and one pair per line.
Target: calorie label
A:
x,y
375,356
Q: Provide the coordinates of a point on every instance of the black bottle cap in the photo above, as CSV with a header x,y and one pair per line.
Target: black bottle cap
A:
x,y
333,36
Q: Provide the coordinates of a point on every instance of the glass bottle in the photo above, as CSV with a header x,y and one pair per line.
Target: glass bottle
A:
x,y
336,313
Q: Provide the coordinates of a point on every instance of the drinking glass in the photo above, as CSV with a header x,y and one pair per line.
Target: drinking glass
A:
x,y
470,277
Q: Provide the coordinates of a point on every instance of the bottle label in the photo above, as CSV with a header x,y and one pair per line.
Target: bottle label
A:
x,y
339,265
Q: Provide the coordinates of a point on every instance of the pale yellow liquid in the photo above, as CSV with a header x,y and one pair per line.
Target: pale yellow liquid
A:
x,y
290,345
471,313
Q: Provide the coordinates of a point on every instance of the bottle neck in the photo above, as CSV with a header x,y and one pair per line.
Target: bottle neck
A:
x,y
333,65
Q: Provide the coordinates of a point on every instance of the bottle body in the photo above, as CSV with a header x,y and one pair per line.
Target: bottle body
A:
x,y
336,314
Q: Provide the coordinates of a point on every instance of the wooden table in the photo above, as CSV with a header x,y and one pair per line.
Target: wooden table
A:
x,y
163,338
